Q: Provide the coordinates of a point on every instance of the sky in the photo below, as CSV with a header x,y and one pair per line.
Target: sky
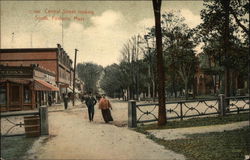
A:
x,y
98,29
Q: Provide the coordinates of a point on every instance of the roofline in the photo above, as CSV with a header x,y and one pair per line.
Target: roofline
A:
x,y
15,50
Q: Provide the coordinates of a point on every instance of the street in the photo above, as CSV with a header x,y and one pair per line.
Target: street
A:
x,y
72,136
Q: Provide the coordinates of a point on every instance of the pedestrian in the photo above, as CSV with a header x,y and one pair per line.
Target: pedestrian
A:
x,y
105,107
65,100
90,101
50,100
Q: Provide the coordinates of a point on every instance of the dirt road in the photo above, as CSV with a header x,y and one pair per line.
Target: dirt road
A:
x,y
72,136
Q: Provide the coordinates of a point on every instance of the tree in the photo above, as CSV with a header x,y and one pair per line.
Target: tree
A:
x,y
149,58
179,52
131,53
160,68
89,73
227,34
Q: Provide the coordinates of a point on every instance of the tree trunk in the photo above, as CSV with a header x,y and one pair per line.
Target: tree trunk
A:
x,y
186,89
226,49
194,87
160,68
174,86
149,93
153,91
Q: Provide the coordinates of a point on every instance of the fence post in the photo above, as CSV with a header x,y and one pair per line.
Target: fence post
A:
x,y
132,117
222,104
44,123
181,111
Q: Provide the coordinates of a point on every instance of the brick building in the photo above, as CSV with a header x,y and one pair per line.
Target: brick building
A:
x,y
54,60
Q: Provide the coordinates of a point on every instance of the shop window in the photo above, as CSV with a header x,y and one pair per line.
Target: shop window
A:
x,y
27,94
3,95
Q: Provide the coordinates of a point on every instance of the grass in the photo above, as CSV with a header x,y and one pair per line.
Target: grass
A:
x,y
233,145
208,146
204,121
13,148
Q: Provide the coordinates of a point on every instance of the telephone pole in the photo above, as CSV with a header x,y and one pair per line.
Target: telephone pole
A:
x,y
74,78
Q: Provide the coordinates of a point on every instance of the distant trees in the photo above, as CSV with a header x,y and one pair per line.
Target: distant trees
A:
x,y
90,74
113,81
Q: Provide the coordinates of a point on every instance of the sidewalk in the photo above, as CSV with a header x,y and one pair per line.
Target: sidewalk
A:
x,y
180,133
60,106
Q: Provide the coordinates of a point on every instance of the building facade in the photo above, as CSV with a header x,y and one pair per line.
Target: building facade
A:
x,y
26,87
54,60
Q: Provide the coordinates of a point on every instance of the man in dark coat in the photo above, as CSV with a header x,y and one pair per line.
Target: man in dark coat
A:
x,y
90,101
65,100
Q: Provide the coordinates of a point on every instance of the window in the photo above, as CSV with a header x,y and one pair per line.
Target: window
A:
x,y
15,94
3,95
26,94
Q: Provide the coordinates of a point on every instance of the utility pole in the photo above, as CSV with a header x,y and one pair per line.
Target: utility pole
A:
x,y
12,39
62,31
74,78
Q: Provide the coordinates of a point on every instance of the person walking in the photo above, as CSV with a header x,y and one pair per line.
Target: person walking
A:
x,y
105,107
90,101
65,100
50,100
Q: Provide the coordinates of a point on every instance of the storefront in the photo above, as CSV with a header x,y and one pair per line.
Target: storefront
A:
x,y
22,89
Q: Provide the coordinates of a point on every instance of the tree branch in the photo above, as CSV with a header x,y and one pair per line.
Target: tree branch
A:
x,y
238,22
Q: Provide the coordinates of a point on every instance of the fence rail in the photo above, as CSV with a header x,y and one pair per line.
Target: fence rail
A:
x,y
14,122
143,113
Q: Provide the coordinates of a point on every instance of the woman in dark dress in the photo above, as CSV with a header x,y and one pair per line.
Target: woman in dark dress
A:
x,y
105,107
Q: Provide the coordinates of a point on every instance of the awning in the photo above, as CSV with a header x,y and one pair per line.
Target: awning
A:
x,y
41,85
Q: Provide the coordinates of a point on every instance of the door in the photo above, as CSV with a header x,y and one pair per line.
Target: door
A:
x,y
15,97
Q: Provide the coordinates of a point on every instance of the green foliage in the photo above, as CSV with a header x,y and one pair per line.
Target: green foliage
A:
x,y
211,31
112,82
89,73
179,43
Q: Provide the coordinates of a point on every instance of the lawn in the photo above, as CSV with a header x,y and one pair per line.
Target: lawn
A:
x,y
227,145
230,145
13,148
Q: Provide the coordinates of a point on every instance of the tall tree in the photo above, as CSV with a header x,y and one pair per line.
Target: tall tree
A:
x,y
131,53
149,57
223,21
226,47
160,68
179,52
